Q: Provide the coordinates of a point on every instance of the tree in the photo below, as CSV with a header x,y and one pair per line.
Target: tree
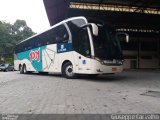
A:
x,y
21,29
10,35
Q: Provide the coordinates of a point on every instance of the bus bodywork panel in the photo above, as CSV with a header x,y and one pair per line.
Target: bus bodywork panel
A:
x,y
45,58
50,58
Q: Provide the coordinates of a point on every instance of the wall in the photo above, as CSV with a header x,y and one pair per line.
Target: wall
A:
x,y
143,53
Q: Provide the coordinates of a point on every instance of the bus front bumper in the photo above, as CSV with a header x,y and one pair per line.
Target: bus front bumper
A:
x,y
98,68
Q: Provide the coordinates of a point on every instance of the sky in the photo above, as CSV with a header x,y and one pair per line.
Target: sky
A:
x,y
32,11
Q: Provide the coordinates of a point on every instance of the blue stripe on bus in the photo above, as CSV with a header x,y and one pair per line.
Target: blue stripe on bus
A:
x,y
36,63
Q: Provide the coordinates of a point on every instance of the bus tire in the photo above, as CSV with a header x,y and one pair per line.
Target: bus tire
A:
x,y
24,69
20,69
67,71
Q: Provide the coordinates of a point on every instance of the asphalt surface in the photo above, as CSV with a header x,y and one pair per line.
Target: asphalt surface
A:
x,y
48,94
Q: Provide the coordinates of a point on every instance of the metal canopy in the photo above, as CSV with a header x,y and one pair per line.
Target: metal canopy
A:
x,y
58,10
122,19
137,3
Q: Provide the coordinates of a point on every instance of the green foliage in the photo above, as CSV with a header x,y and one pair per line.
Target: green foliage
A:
x,y
10,35
9,59
21,29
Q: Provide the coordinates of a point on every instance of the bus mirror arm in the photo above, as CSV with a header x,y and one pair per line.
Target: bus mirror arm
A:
x,y
127,36
94,28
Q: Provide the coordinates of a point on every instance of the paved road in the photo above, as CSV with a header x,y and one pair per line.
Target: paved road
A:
x,y
120,93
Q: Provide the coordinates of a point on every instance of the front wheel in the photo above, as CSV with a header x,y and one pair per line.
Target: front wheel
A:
x,y
67,71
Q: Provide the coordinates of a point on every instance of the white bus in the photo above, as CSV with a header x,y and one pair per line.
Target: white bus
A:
x,y
74,46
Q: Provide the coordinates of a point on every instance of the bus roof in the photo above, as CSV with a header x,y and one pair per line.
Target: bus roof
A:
x,y
64,21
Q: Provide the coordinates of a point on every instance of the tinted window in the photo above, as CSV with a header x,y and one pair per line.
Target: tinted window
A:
x,y
80,38
61,35
55,35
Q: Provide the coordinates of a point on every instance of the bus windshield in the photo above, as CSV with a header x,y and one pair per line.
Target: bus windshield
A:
x,y
106,44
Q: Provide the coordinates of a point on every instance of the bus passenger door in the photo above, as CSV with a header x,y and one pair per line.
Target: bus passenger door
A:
x,y
82,46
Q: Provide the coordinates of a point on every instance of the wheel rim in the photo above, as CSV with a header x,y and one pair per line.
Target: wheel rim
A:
x,y
69,70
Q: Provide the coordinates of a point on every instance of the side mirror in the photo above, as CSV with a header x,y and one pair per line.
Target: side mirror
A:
x,y
93,26
94,29
127,36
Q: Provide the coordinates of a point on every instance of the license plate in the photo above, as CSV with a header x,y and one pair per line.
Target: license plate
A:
x,y
114,69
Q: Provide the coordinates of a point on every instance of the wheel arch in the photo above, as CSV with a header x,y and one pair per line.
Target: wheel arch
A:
x,y
64,62
24,64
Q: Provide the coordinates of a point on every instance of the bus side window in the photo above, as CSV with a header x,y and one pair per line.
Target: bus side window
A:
x,y
34,43
42,39
50,37
26,45
58,34
38,42
17,49
61,34
29,45
22,47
